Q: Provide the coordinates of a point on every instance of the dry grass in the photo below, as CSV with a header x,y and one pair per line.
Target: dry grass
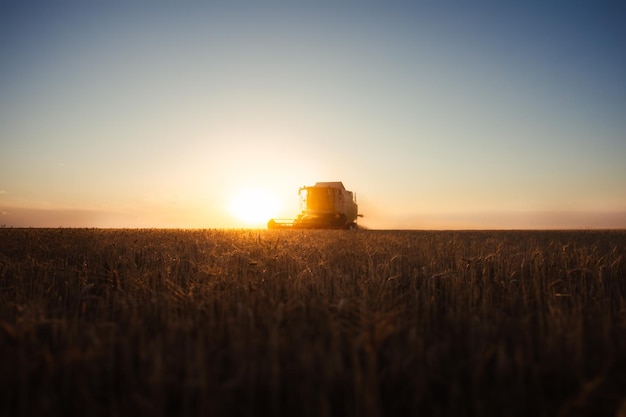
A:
x,y
312,323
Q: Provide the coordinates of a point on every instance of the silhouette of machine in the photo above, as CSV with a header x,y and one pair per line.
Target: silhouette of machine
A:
x,y
325,205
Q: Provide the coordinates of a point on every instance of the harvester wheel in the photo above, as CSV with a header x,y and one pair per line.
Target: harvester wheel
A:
x,y
343,221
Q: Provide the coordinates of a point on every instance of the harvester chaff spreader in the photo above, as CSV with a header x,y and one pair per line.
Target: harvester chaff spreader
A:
x,y
325,205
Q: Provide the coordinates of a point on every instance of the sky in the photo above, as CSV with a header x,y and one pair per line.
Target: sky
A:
x,y
438,115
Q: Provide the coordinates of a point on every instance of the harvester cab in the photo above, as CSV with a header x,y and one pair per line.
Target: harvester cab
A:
x,y
325,205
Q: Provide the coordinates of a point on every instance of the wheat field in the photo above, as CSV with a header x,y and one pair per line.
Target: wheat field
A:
x,y
312,323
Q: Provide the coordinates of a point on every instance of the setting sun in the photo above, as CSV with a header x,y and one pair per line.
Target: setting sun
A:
x,y
254,206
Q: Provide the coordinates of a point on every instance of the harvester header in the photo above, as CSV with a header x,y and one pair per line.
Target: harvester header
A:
x,y
325,205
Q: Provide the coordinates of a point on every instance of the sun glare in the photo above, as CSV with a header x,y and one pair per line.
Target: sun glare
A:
x,y
254,206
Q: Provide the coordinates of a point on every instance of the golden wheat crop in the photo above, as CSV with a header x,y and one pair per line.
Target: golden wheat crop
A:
x,y
312,323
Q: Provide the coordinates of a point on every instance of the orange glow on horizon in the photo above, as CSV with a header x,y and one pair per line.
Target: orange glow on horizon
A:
x,y
254,206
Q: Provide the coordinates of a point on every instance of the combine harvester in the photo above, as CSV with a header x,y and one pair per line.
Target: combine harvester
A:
x,y
325,205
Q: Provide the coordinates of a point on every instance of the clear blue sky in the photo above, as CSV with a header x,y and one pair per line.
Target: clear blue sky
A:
x,y
438,115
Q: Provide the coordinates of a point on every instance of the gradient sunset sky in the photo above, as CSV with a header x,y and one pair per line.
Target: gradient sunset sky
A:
x,y
439,115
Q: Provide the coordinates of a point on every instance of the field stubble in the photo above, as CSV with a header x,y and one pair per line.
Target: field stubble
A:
x,y
312,323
